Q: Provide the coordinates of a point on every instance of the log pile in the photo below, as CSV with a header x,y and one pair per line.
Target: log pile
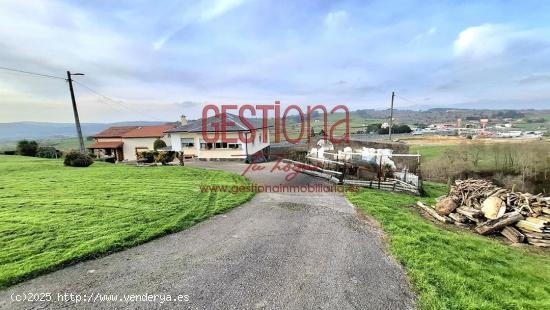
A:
x,y
487,208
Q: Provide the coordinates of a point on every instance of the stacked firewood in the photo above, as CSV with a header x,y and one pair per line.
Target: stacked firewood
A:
x,y
479,204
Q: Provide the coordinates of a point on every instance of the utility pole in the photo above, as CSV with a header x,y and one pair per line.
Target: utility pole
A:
x,y
391,112
75,111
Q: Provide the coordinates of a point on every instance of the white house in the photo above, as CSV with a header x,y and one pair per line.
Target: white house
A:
x,y
125,142
189,138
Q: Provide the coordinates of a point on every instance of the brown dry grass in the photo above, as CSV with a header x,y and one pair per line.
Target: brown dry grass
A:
x,y
452,140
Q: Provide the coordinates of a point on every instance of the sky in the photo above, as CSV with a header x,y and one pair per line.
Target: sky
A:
x,y
155,60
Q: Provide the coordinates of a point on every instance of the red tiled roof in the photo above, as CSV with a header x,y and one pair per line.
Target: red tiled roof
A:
x,y
148,131
115,132
106,145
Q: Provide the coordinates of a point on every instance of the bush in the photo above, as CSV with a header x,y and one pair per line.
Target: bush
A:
x,y
77,159
147,156
159,144
47,152
395,129
165,157
27,148
10,152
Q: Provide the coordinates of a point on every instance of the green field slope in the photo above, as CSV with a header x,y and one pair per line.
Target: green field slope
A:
x,y
454,268
52,215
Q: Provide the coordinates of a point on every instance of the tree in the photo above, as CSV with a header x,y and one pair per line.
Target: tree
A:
x,y
159,144
47,152
322,132
27,148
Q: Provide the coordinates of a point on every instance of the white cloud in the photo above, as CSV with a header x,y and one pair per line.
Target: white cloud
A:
x,y
336,18
483,41
219,8
428,33
488,40
204,12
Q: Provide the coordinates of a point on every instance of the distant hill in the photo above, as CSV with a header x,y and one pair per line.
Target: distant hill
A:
x,y
42,130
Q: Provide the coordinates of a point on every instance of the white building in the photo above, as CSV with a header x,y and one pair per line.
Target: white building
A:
x,y
189,138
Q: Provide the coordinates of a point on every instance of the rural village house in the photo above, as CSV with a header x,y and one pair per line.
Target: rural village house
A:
x,y
189,138
125,142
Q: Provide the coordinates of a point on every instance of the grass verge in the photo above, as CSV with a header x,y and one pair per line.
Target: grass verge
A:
x,y
456,269
51,215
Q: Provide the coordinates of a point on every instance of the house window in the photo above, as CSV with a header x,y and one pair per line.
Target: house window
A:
x,y
187,142
206,146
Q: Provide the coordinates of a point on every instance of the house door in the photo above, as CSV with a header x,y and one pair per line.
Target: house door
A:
x,y
119,154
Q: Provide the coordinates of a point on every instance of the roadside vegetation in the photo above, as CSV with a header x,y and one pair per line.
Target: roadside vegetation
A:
x,y
524,166
52,215
453,268
62,144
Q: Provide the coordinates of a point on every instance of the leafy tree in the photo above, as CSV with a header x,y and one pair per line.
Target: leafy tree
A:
x,y
395,129
27,148
159,144
47,152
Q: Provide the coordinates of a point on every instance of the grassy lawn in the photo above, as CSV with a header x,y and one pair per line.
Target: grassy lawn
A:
x,y
431,152
456,269
51,215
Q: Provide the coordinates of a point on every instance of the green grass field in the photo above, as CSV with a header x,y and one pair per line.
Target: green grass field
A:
x,y
52,215
430,152
454,268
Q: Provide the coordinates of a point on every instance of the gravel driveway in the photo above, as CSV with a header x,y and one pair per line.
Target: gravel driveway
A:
x,y
278,251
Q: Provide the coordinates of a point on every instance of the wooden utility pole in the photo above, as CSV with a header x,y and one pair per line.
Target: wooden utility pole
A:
x,y
391,113
75,111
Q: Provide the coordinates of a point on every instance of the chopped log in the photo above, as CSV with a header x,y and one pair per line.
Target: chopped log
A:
x,y
493,225
539,221
446,206
471,213
457,217
493,208
530,226
538,242
513,234
536,235
432,212
546,211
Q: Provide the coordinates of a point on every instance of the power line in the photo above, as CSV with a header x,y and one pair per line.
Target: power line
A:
x,y
33,73
409,100
119,102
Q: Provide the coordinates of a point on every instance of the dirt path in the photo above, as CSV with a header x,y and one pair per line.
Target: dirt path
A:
x,y
278,251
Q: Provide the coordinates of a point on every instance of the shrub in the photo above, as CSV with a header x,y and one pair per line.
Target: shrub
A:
x,y
147,156
27,148
159,144
395,129
165,157
77,159
47,152
10,152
